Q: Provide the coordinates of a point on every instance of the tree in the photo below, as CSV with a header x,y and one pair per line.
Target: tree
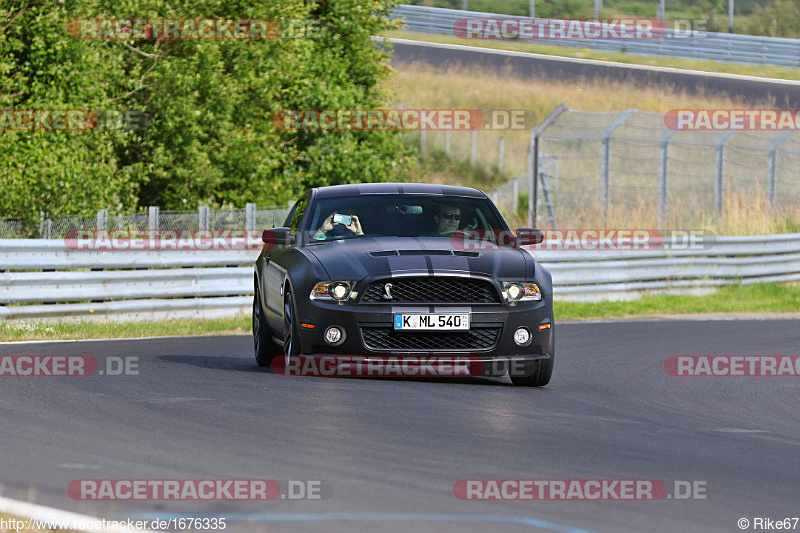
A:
x,y
210,137
779,18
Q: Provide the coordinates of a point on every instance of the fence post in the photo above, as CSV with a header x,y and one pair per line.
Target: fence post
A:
x,y
533,180
447,135
250,216
719,183
515,194
102,220
152,218
772,180
473,150
422,132
203,216
45,226
605,168
501,149
533,161
663,170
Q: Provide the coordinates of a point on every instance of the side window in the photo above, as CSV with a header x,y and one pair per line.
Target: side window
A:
x,y
297,216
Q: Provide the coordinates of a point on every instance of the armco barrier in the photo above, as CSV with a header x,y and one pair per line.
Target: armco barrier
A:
x,y
734,48
597,275
43,279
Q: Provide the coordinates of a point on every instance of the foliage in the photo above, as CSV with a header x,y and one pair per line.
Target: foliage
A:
x,y
779,18
210,137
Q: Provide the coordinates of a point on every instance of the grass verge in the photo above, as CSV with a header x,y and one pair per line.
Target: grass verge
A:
x,y
744,299
765,71
635,175
34,331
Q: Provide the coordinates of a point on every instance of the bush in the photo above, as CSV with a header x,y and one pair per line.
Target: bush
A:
x,y
210,137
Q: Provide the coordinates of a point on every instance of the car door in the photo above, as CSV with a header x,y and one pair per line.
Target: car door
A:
x,y
277,262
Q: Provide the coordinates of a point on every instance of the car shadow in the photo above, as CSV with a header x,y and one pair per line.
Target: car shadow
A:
x,y
243,364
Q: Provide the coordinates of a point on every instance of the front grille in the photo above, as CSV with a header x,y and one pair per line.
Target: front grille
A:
x,y
386,338
432,290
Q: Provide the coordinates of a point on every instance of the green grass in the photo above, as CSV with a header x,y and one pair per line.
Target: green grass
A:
x,y
26,331
758,298
600,55
747,299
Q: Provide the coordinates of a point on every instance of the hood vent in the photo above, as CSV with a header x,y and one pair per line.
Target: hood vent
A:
x,y
457,253
425,252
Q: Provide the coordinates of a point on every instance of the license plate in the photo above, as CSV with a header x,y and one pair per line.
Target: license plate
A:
x,y
431,321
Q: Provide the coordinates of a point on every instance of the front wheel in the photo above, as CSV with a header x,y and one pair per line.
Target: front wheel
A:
x,y
291,339
265,349
537,375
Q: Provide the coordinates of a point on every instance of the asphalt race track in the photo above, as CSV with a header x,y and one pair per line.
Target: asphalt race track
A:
x,y
392,449
786,94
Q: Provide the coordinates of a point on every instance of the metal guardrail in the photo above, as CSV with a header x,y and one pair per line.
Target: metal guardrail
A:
x,y
733,48
44,278
41,279
590,275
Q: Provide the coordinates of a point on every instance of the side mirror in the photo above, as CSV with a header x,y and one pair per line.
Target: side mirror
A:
x,y
277,236
529,236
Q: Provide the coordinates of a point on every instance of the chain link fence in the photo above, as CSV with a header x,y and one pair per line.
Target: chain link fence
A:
x,y
595,169
618,166
606,169
204,218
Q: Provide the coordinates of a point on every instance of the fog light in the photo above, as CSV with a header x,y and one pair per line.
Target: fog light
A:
x,y
334,335
522,336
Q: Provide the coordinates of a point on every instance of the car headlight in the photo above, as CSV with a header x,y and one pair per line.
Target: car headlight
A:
x,y
521,292
332,290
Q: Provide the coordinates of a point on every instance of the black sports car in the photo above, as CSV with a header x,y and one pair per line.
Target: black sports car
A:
x,y
403,270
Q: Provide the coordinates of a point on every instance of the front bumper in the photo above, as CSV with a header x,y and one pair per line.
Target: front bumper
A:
x,y
358,320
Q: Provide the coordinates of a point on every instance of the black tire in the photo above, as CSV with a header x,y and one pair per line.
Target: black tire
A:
x,y
291,345
265,349
539,372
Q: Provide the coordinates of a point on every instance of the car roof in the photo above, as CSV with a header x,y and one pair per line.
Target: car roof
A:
x,y
397,188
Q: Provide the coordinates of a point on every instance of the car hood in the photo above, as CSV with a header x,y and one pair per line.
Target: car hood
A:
x,y
355,259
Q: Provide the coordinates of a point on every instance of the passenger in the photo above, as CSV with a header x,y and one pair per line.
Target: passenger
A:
x,y
331,229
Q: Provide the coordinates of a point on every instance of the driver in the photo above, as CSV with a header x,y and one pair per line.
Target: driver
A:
x,y
447,219
331,229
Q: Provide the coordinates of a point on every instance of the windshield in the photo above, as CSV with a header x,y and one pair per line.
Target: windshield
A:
x,y
398,215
